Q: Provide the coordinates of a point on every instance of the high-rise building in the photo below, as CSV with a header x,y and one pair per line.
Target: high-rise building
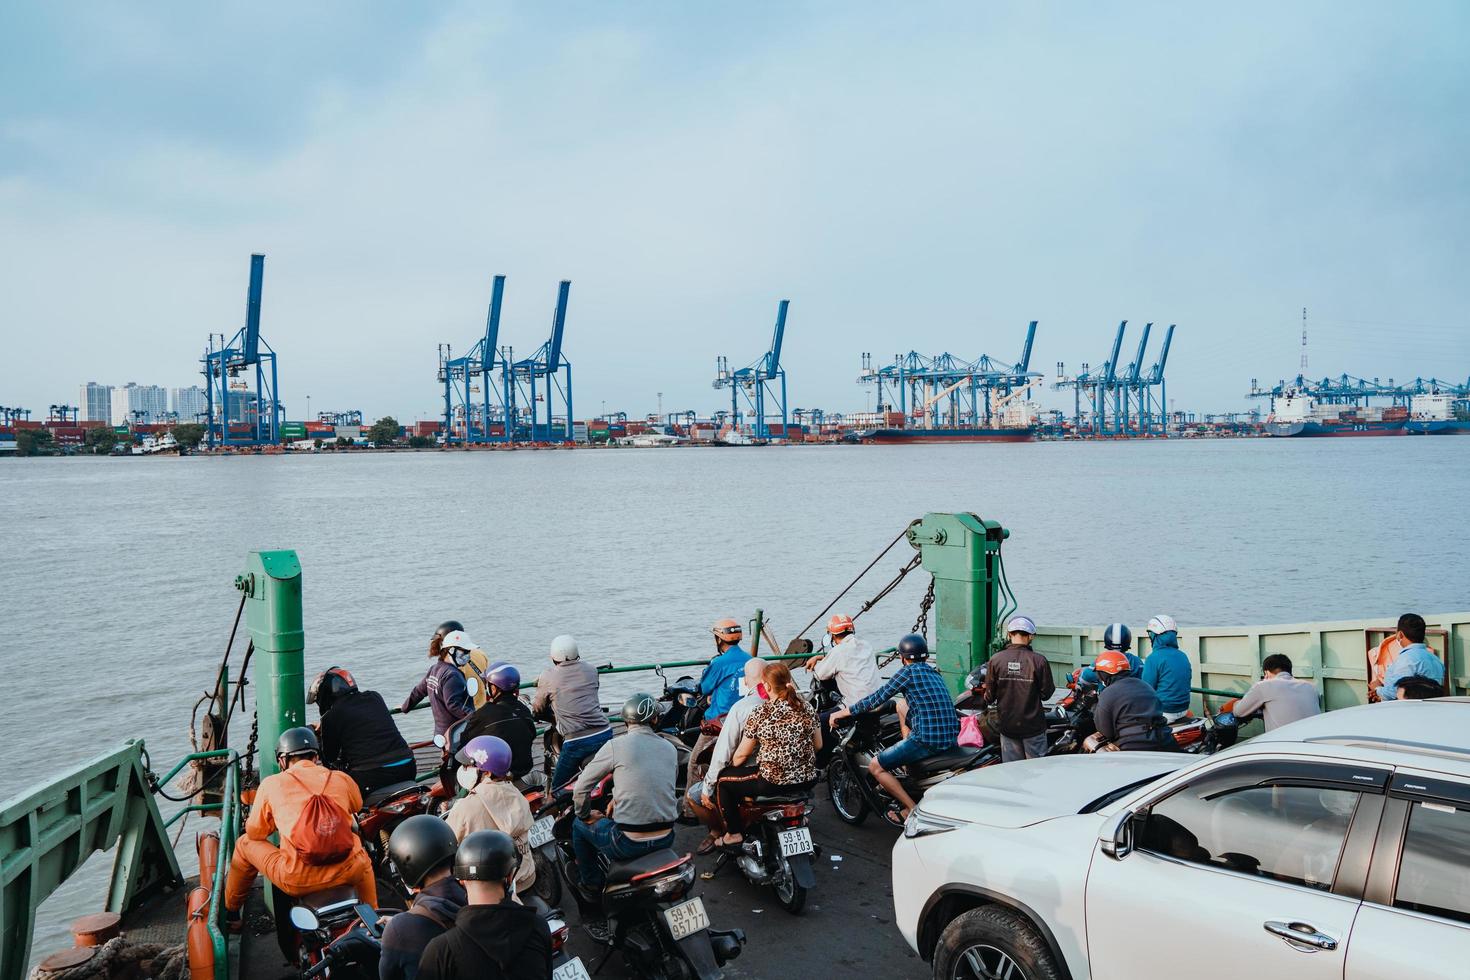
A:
x,y
188,403
95,402
138,403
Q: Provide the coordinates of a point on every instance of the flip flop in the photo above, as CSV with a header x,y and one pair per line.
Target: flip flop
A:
x,y
894,816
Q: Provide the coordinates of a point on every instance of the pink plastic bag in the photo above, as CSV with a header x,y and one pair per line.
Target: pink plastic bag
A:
x,y
971,736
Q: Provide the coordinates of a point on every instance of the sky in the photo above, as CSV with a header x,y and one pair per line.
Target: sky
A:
x,y
921,177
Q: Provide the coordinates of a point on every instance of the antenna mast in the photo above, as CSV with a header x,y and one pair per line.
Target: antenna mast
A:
x,y
1304,342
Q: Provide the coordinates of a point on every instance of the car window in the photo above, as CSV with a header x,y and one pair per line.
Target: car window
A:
x,y
1432,876
1287,833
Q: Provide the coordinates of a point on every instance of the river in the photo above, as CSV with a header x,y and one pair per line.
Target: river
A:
x,y
117,573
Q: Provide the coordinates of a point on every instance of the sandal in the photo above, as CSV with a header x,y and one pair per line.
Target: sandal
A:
x,y
710,842
894,816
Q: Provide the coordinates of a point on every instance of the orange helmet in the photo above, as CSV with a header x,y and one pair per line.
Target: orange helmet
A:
x,y
1112,663
728,630
839,625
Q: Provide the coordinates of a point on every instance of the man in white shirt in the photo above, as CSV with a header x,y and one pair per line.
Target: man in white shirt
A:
x,y
850,663
701,796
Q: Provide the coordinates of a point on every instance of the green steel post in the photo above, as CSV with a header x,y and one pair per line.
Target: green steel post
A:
x,y
272,587
962,552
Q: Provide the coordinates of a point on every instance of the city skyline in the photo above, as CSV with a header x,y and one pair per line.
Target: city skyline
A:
x,y
931,181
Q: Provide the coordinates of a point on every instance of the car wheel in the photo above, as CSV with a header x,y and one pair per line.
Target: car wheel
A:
x,y
846,794
993,943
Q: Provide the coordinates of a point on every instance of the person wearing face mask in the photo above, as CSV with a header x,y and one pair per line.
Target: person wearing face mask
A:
x,y
493,802
701,796
444,684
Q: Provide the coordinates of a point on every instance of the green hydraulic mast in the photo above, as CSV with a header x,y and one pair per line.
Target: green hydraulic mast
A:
x,y
272,587
962,552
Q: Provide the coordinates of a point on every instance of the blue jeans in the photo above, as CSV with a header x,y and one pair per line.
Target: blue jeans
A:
x,y
905,752
574,753
590,839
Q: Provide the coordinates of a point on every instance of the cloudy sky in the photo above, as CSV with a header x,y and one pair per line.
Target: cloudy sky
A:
x,y
922,176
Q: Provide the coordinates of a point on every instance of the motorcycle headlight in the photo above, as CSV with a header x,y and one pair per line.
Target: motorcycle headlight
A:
x,y
675,884
921,824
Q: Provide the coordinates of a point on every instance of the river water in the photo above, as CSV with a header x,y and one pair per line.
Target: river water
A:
x,y
117,572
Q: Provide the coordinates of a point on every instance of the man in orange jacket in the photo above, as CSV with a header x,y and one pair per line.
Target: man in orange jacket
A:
x,y
278,803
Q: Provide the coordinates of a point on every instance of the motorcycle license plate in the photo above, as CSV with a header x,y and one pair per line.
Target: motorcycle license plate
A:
x,y
571,970
686,918
797,840
541,832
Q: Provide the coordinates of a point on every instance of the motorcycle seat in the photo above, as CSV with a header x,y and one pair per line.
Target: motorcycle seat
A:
x,y
948,759
622,872
781,799
329,900
385,793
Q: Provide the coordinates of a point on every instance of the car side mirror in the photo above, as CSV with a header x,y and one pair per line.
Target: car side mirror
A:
x,y
1117,837
304,918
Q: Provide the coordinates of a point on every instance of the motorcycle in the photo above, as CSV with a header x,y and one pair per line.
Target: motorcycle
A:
x,y
1197,736
661,931
545,808
778,849
853,789
336,935
382,810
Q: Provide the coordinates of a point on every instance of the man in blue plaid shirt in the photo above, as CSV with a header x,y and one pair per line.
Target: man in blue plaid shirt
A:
x,y
932,722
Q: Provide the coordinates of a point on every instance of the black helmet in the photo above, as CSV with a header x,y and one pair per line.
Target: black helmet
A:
x,y
297,741
420,845
640,709
1117,637
447,627
913,648
976,680
486,855
330,684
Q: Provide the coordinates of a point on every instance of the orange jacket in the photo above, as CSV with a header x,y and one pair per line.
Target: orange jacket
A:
x,y
280,798
1388,651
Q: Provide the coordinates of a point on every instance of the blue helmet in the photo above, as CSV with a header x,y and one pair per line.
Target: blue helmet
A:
x,y
913,648
505,677
1117,637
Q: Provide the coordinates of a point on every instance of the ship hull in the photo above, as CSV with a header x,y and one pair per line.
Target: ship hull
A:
x,y
903,436
1288,430
1438,427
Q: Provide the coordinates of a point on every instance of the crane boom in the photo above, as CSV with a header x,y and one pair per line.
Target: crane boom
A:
x,y
773,359
492,321
558,326
250,342
1137,365
1024,364
1117,348
1158,372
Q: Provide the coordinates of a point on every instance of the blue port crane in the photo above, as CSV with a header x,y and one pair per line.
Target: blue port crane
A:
x,y
351,417
1345,389
236,414
478,372
10,414
1120,398
543,379
765,378
946,390
62,414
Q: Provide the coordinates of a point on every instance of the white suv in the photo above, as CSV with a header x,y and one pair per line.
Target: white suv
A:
x,y
1337,847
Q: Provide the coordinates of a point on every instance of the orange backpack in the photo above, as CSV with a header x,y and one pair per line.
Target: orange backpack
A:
x,y
323,833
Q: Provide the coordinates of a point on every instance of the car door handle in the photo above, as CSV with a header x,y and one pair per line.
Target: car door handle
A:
x,y
1302,933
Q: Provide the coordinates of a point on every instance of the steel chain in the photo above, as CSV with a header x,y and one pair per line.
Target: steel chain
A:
x,y
921,625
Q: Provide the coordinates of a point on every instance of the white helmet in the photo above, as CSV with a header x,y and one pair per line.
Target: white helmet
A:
x,y
457,640
564,650
1163,624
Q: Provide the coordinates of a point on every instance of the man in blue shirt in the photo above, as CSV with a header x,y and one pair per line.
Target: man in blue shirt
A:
x,y
1167,669
1119,638
932,720
721,684
1414,660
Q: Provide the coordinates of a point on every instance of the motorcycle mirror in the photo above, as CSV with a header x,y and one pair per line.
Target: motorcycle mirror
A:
x,y
472,684
304,918
439,741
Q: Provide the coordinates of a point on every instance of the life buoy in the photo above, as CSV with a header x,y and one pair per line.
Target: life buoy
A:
x,y
208,847
201,946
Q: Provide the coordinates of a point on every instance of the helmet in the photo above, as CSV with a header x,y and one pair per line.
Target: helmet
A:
x,y
640,709
564,650
297,741
728,630
914,647
505,677
487,753
1021,624
1111,665
976,680
456,640
1117,637
420,845
839,625
447,627
486,855
1162,624
330,684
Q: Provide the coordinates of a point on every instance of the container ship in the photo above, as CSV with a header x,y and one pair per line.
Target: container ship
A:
x,y
1016,424
1434,415
1298,415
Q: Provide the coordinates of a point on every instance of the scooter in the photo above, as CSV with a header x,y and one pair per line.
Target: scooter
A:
x,y
545,808
382,810
336,935
778,848
661,931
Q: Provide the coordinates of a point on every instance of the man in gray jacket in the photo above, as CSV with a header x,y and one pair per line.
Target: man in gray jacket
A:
x,y
570,690
640,817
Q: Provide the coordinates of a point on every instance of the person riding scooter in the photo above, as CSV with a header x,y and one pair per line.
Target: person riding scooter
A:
x,y
1118,638
310,858
358,733
1128,714
933,723
493,802
422,850
505,716
444,684
569,691
851,665
720,682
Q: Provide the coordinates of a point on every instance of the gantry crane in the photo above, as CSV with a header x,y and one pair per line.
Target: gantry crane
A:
x,y
756,382
542,378
467,420
946,390
234,414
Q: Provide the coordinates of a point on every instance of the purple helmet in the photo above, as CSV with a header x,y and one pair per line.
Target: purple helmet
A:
x,y
487,753
505,677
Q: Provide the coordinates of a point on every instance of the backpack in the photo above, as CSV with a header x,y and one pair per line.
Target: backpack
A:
x,y
323,833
